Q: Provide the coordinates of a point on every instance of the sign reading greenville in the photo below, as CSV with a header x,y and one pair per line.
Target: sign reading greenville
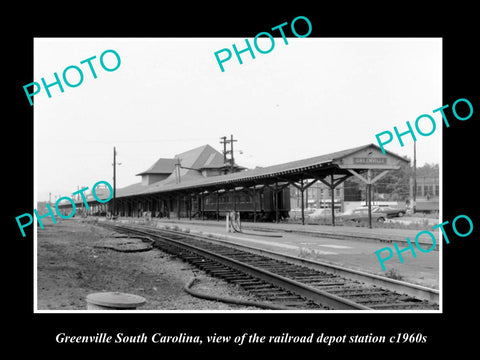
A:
x,y
366,160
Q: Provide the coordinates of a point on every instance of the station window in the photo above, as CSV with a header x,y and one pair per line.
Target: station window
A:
x,y
419,190
245,198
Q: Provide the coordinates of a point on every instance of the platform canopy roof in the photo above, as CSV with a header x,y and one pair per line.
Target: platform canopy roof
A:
x,y
339,164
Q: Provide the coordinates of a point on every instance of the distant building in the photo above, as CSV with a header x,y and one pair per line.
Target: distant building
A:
x,y
428,189
318,196
42,207
347,196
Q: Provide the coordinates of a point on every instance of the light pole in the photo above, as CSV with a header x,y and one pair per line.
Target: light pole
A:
x,y
232,160
114,210
414,176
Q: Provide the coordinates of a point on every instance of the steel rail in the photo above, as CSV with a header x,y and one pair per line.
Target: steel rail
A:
x,y
417,291
315,295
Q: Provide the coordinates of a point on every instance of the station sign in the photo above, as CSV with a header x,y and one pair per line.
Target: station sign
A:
x,y
370,157
366,160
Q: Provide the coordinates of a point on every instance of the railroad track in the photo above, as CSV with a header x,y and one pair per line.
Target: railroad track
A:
x,y
288,282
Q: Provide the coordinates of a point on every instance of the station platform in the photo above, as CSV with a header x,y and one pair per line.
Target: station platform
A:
x,y
351,247
341,232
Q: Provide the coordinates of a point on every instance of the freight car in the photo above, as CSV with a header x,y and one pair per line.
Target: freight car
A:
x,y
264,208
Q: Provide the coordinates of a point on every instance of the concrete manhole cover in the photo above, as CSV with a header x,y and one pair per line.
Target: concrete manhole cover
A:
x,y
124,244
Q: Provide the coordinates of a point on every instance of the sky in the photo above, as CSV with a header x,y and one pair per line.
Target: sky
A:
x,y
308,98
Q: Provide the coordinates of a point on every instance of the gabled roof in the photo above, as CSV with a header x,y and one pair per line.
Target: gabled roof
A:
x,y
254,174
161,166
191,162
201,157
214,161
293,168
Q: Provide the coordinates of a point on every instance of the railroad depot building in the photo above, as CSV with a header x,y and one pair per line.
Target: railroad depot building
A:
x,y
201,183
187,167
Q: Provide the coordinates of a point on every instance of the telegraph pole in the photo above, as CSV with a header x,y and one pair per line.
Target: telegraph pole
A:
x,y
225,151
177,172
114,179
224,142
232,161
414,176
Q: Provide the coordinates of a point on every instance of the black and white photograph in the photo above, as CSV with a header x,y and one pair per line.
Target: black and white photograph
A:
x,y
281,185
270,164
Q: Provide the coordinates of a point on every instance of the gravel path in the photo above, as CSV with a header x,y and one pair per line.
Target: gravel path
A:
x,y
73,262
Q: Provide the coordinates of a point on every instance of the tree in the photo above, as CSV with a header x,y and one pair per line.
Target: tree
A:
x,y
394,186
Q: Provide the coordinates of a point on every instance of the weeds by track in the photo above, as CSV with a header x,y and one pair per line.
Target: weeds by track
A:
x,y
278,279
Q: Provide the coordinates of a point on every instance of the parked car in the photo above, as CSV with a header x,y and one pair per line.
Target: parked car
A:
x,y
361,214
391,211
297,212
320,213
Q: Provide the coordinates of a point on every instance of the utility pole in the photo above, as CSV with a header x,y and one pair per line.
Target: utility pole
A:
x,y
225,151
369,189
114,208
414,176
114,180
177,172
232,161
224,142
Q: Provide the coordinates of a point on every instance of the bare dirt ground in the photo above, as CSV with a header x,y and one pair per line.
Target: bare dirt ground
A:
x,y
74,260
